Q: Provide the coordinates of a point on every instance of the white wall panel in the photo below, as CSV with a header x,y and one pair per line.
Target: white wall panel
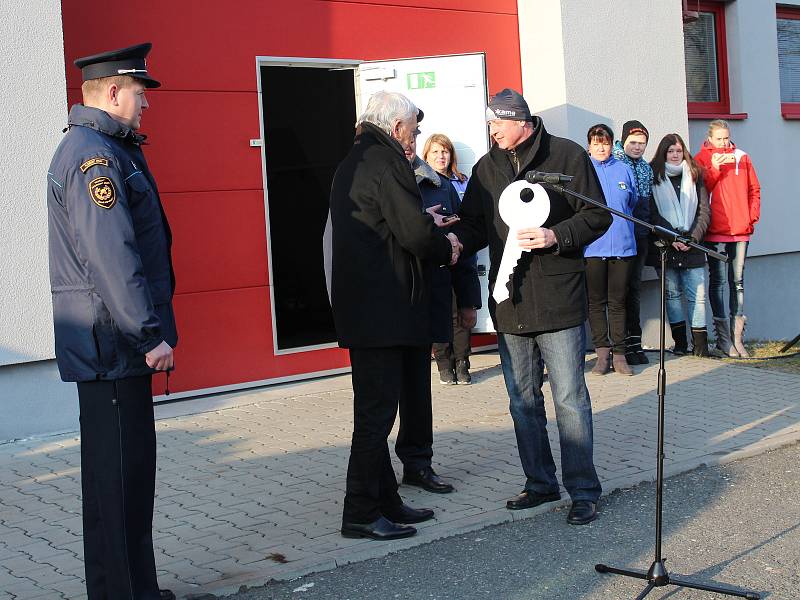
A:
x,y
770,140
33,97
591,61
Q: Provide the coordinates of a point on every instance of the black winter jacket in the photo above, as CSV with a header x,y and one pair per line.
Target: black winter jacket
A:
x,y
109,242
380,288
548,287
677,259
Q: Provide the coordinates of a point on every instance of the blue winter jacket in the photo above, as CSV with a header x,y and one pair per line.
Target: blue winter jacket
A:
x,y
619,186
110,266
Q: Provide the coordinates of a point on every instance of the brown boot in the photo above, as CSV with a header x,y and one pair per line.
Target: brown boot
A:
x,y
603,364
738,336
621,365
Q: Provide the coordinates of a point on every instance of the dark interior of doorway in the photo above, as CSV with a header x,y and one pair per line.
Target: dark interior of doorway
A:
x,y
309,120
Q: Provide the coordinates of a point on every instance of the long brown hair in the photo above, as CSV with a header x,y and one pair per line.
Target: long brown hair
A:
x,y
444,141
660,158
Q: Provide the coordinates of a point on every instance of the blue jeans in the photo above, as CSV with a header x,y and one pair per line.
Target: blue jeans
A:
x,y
719,278
690,283
522,358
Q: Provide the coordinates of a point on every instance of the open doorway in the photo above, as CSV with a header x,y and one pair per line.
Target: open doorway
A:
x,y
309,117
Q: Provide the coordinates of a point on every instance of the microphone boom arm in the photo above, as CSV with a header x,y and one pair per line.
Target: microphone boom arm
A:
x,y
662,233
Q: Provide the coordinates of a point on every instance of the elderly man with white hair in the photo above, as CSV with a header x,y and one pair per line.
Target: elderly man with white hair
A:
x,y
381,238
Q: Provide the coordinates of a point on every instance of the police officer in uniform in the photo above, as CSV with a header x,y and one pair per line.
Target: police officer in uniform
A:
x,y
112,284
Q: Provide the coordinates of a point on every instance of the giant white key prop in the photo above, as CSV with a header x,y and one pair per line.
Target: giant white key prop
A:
x,y
521,205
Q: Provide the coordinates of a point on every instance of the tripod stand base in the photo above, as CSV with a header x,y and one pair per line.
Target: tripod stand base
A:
x,y
658,576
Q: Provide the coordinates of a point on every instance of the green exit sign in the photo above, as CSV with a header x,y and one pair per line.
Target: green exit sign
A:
x,y
420,81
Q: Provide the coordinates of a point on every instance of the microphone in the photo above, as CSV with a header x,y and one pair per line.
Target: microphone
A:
x,y
552,178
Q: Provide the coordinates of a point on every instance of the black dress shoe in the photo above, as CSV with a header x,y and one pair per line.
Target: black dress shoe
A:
x,y
427,480
380,529
529,499
406,514
166,594
582,512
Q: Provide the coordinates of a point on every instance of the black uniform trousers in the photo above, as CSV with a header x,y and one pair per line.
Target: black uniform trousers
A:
x,y
118,469
383,380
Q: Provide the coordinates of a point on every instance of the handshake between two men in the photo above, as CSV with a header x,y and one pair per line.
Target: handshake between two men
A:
x,y
529,239
445,220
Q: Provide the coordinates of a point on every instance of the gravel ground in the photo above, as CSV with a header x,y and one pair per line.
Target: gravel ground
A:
x,y
737,524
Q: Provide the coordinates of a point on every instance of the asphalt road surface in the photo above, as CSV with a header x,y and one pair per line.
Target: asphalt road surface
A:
x,y
737,524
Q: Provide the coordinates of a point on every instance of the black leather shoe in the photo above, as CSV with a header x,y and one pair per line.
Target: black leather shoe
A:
x,y
380,529
427,480
643,360
166,594
406,514
529,499
582,512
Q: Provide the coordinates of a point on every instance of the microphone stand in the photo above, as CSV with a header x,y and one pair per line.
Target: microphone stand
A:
x,y
657,575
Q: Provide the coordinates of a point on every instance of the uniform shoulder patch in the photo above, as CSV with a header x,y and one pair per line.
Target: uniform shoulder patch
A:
x,y
92,162
102,191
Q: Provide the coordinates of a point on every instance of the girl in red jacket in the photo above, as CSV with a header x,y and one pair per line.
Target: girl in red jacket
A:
x,y
735,207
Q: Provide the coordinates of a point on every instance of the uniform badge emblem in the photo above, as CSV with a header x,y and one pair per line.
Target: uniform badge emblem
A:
x,y
92,162
622,185
101,189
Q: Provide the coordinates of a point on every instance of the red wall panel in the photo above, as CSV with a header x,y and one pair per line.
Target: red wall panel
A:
x,y
211,45
226,338
484,6
201,140
219,239
200,123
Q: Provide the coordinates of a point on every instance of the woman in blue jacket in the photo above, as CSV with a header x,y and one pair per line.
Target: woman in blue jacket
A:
x,y
609,259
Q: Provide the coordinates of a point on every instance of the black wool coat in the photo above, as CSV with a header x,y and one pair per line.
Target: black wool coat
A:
x,y
548,290
381,238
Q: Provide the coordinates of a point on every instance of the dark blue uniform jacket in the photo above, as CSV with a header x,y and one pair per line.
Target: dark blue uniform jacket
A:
x,y
110,265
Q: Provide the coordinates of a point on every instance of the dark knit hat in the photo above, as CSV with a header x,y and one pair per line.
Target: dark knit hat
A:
x,y
508,104
633,128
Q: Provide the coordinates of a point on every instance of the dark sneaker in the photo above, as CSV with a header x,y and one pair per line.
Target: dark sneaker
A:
x,y
447,377
462,373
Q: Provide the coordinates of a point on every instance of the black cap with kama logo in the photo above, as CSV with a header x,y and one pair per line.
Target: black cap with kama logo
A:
x,y
125,61
508,104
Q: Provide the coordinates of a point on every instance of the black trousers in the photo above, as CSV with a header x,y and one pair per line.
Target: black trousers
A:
x,y
118,470
383,380
607,290
633,323
459,348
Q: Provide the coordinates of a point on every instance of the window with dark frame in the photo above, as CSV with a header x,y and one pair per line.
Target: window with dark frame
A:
x,y
706,55
788,26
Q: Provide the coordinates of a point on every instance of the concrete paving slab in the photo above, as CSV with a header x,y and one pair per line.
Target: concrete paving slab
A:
x,y
250,485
